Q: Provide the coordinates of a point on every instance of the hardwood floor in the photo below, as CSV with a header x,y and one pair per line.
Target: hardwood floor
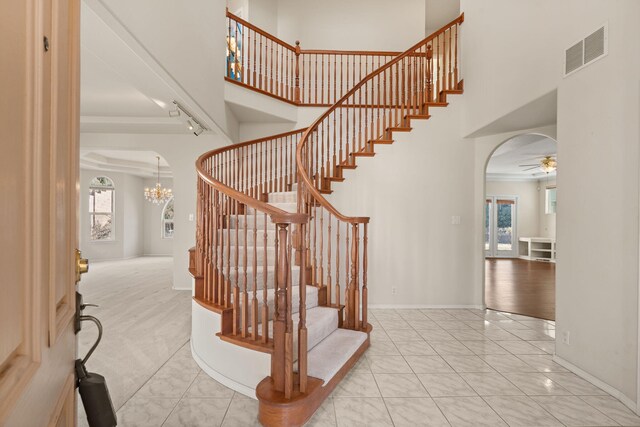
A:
x,y
522,287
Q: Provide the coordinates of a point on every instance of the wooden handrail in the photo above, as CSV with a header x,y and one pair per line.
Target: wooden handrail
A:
x,y
277,215
312,51
350,52
304,176
260,31
311,77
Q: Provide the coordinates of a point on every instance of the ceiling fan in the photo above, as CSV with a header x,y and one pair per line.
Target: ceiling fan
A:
x,y
547,164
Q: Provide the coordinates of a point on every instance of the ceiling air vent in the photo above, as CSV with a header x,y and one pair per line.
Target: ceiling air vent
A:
x,y
586,51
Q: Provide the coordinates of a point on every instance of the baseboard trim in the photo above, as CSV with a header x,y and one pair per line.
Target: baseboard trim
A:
x,y
240,388
597,382
175,288
425,306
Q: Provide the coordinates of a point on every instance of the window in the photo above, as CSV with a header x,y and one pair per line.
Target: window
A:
x,y
234,50
167,220
101,198
550,199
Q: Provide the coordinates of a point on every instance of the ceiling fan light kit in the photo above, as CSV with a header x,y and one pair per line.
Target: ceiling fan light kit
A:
x,y
547,164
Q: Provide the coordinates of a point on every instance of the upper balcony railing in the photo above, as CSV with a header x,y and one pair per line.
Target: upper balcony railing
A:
x,y
262,62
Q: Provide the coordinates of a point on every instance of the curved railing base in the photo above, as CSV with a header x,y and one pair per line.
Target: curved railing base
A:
x,y
233,366
275,410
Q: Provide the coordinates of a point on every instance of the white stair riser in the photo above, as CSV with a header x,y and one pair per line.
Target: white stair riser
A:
x,y
229,235
258,255
284,197
251,222
287,207
311,302
295,277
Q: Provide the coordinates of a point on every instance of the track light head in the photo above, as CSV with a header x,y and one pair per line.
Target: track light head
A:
x,y
192,124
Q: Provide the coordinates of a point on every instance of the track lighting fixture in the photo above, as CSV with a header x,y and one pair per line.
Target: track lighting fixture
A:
x,y
190,121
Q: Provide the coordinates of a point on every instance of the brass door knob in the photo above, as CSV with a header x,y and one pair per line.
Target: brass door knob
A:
x,y
82,265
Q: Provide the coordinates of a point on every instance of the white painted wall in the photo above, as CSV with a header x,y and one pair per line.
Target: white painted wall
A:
x,y
411,189
240,7
154,243
181,152
527,208
597,123
264,14
134,219
352,25
440,12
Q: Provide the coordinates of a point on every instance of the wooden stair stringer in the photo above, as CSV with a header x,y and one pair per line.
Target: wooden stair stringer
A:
x,y
386,139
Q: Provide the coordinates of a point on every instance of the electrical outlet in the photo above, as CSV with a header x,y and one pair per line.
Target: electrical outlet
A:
x,y
394,291
455,220
566,337
191,217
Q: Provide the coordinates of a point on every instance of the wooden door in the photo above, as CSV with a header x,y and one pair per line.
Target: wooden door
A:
x,y
39,87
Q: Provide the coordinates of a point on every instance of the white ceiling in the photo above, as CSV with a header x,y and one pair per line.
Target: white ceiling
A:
x,y
121,90
521,150
105,92
139,163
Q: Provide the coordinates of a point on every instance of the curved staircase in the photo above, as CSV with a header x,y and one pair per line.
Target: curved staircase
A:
x,y
279,272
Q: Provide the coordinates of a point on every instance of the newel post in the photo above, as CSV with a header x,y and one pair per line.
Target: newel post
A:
x,y
353,290
282,359
297,89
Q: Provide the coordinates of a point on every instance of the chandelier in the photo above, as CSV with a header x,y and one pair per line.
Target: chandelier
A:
x,y
157,194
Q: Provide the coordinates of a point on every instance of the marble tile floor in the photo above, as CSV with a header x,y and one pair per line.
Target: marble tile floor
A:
x,y
424,368
145,322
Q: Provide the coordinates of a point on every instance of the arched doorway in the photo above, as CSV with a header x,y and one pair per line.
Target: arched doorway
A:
x,y
519,221
131,254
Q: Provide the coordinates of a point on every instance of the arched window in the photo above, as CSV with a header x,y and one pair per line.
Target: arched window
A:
x,y
167,220
101,208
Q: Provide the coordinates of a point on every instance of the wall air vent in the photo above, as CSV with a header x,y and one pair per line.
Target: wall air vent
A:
x,y
573,58
586,51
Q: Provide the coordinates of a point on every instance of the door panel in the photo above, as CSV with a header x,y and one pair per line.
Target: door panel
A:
x,y
501,226
19,340
505,227
488,226
38,177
